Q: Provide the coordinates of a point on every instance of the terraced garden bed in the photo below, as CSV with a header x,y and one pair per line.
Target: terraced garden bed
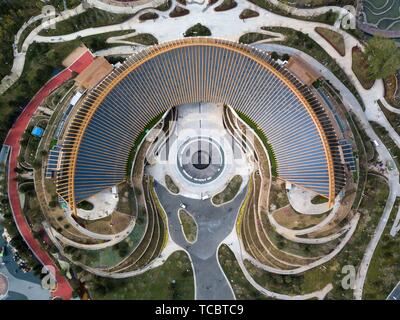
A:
x,y
360,68
229,192
334,38
189,225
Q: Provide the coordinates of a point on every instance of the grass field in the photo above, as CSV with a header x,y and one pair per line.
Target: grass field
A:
x,y
318,3
328,17
393,118
391,86
384,269
189,226
173,280
334,38
146,39
171,186
198,30
252,37
389,143
229,192
253,125
241,287
360,68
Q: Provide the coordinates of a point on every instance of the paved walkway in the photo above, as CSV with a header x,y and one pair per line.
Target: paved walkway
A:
x,y
214,225
64,289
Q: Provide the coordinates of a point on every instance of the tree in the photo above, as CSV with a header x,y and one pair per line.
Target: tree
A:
x,y
36,164
53,204
274,55
18,170
28,188
285,57
123,248
383,57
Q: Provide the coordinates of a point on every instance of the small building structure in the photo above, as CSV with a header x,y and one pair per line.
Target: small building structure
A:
x,y
37,132
303,71
94,73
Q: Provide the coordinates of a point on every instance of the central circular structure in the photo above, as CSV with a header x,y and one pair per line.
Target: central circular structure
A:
x,y
200,159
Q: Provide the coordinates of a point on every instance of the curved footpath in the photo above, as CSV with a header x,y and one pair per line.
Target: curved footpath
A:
x,y
63,289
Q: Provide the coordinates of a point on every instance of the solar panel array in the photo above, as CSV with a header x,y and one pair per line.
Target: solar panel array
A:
x,y
102,133
52,161
347,150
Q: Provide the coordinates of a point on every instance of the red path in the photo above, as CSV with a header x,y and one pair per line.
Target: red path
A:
x,y
63,289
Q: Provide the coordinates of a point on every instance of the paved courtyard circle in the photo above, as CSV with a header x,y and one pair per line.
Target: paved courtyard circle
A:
x,y
200,159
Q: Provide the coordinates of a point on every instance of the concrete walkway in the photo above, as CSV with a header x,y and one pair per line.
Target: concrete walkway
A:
x,y
214,225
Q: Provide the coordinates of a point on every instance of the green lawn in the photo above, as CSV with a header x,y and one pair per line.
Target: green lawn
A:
x,y
334,38
252,37
318,3
241,287
384,269
229,192
171,281
139,140
198,30
393,118
389,143
319,199
146,39
248,13
360,68
171,186
328,18
165,6
85,205
189,226
253,125
226,5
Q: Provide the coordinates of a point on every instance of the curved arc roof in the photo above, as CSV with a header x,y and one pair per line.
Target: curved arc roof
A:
x,y
99,94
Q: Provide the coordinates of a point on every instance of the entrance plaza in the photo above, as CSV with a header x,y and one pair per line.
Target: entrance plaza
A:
x,y
200,155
